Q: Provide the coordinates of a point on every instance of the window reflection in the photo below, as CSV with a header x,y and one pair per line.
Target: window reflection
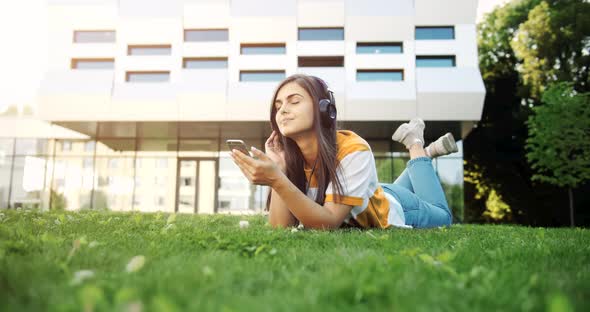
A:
x,y
73,148
450,172
235,192
148,182
5,166
114,183
28,182
31,147
155,189
71,187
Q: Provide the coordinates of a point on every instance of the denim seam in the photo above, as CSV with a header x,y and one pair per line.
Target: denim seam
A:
x,y
418,159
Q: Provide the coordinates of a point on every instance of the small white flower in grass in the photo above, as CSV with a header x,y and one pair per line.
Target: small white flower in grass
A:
x,y
300,226
80,276
244,224
93,244
135,264
207,271
57,222
294,230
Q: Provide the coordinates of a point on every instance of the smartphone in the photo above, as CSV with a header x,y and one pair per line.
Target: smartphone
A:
x,y
238,145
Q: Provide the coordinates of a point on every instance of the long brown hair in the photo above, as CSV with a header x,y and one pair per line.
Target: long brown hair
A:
x,y
327,164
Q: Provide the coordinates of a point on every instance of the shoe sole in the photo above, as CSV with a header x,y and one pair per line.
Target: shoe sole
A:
x,y
449,143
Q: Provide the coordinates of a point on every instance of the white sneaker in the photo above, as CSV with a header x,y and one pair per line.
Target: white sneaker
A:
x,y
410,133
442,146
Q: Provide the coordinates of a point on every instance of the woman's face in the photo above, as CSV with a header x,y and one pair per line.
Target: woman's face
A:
x,y
294,110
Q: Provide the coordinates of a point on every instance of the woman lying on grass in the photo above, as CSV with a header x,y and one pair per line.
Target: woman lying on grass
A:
x,y
326,178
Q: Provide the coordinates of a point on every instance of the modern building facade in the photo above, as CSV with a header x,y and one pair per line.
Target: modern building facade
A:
x,y
140,96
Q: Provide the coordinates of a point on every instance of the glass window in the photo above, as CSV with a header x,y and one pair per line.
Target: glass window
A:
x,y
72,184
160,181
435,33
94,36
87,163
31,147
204,63
164,49
379,75
5,167
435,61
89,146
197,35
321,34
399,163
262,75
234,188
71,148
93,63
320,61
155,76
157,175
6,147
270,48
379,48
28,182
161,162
384,167
450,173
115,185
66,146
113,163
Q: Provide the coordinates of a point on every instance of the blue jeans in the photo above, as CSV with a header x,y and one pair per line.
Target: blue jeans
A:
x,y
420,193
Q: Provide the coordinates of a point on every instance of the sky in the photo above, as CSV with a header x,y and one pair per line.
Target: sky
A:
x,y
23,54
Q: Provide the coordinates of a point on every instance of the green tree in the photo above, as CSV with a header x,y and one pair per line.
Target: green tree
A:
x,y
553,45
497,173
559,139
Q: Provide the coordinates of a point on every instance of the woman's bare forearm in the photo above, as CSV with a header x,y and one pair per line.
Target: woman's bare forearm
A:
x,y
303,208
279,215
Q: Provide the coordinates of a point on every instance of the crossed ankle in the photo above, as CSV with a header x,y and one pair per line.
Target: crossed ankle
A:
x,y
417,143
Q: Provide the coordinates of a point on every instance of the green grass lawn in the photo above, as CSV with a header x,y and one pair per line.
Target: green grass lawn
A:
x,y
202,263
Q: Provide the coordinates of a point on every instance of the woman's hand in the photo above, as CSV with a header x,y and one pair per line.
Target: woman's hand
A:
x,y
275,151
261,171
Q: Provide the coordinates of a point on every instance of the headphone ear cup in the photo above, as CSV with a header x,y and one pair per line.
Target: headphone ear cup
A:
x,y
324,103
327,113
